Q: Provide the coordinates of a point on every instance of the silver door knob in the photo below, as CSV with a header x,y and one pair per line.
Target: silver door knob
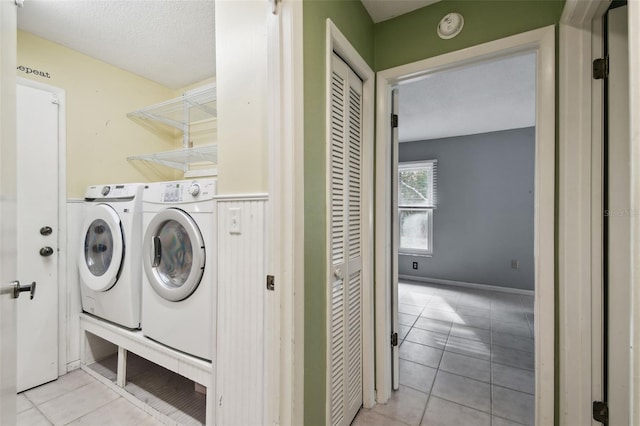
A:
x,y
337,272
17,289
46,251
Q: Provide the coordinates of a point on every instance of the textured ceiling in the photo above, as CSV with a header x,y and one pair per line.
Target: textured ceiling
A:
x,y
381,10
479,98
171,42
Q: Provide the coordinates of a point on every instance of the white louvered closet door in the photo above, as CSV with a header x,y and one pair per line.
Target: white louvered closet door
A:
x,y
344,237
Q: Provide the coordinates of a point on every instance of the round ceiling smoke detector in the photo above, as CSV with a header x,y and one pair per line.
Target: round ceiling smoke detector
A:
x,y
450,26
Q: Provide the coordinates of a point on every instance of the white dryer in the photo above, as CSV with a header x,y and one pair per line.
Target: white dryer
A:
x,y
110,250
179,261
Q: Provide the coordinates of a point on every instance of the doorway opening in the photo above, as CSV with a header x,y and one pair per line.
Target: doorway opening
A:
x,y
491,356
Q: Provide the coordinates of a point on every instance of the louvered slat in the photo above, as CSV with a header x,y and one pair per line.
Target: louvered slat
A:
x,y
355,170
337,353
337,188
337,168
354,339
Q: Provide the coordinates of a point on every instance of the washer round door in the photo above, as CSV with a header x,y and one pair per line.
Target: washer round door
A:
x,y
102,248
174,254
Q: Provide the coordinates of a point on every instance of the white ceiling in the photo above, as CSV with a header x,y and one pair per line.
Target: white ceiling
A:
x,y
381,10
171,42
479,98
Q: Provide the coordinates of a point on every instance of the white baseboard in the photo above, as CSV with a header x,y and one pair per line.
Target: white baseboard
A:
x,y
73,365
468,285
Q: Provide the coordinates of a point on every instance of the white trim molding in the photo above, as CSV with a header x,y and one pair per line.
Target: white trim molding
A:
x,y
337,42
580,214
634,95
285,215
541,41
477,286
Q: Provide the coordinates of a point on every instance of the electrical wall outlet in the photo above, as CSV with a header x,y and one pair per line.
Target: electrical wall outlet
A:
x,y
515,264
415,265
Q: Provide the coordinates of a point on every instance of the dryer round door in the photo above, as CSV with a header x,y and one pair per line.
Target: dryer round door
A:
x,y
102,248
174,254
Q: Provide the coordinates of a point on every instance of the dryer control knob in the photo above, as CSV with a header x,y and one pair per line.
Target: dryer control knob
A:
x,y
194,189
106,190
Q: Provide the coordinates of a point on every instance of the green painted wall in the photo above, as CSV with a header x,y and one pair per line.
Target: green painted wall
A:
x,y
412,37
407,38
354,22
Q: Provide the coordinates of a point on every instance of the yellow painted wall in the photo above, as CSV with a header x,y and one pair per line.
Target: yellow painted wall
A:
x,y
98,98
241,63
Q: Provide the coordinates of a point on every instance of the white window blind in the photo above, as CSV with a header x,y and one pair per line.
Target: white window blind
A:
x,y
418,184
417,198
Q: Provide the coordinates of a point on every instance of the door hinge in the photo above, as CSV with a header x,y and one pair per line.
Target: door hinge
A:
x,y
19,3
601,68
394,121
601,412
271,282
274,6
394,339
55,100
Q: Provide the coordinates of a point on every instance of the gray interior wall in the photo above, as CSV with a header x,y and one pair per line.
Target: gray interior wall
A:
x,y
484,216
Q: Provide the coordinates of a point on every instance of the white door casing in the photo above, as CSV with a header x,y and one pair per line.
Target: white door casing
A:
x,y
542,42
395,235
37,339
344,163
8,240
634,106
580,222
619,220
285,213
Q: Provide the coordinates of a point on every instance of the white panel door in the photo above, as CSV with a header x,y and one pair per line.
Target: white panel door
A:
x,y
7,212
37,134
345,246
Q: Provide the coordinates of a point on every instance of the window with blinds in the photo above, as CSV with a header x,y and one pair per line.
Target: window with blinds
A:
x,y
417,199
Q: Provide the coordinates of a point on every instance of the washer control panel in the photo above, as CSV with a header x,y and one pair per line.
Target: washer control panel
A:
x,y
113,192
185,191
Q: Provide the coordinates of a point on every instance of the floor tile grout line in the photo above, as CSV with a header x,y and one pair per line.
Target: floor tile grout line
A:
x,y
395,419
509,420
463,376
514,390
95,409
515,366
433,383
59,395
28,399
463,405
41,412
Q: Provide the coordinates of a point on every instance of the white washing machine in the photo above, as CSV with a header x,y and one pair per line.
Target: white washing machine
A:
x,y
179,262
110,250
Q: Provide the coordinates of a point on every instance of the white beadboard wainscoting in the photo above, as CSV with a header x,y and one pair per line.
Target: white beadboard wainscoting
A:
x,y
240,341
75,216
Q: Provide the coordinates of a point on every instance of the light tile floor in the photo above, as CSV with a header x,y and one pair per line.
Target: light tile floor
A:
x,y
466,359
78,399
